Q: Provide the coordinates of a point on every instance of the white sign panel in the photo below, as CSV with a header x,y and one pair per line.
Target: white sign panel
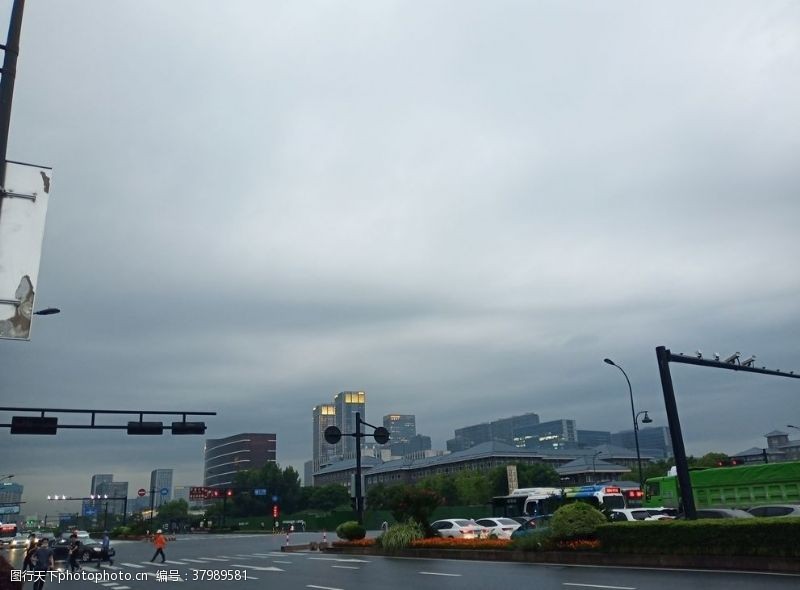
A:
x,y
22,215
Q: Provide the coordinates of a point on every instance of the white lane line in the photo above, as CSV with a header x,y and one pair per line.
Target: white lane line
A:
x,y
214,559
279,561
347,567
599,586
132,565
123,588
175,562
258,567
109,584
195,560
439,574
322,587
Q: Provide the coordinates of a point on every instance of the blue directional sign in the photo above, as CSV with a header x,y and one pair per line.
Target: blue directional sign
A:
x,y
260,492
164,491
274,498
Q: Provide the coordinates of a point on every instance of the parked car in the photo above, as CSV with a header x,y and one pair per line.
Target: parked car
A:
x,y
776,510
87,551
630,514
722,513
499,526
459,528
663,513
528,528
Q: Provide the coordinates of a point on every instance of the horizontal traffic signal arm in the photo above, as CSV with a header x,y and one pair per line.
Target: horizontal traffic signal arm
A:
x,y
41,424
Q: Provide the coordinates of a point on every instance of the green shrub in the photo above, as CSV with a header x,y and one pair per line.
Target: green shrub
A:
x,y
537,541
351,531
399,536
575,521
735,536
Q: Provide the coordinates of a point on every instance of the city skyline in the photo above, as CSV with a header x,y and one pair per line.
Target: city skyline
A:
x,y
458,209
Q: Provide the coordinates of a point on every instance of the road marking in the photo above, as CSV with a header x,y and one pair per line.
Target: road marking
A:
x,y
322,587
345,560
599,586
175,562
347,567
195,560
278,561
439,574
133,565
109,584
215,559
258,567
123,588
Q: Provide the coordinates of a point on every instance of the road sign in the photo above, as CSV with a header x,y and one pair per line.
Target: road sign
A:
x,y
141,492
164,491
260,492
201,493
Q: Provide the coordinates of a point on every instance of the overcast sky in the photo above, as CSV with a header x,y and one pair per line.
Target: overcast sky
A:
x,y
458,207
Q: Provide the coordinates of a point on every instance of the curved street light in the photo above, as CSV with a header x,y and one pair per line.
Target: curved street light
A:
x,y
634,415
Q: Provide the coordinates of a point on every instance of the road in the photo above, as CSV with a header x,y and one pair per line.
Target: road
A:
x,y
197,562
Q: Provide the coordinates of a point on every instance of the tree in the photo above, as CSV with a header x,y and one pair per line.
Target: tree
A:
x,y
414,503
329,497
473,488
529,476
443,485
175,512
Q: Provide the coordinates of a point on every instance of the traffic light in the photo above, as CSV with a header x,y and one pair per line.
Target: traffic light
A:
x,y
216,493
275,511
229,493
728,462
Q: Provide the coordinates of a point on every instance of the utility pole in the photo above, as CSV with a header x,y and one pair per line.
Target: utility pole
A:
x,y
11,49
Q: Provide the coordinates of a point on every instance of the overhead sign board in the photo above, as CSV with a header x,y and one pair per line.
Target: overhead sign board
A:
x,y
203,493
22,214
9,509
260,492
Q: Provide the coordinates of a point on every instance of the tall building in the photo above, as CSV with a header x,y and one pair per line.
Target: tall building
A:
x,y
324,415
224,457
10,493
114,489
346,405
402,427
98,480
593,438
554,434
655,439
160,480
502,430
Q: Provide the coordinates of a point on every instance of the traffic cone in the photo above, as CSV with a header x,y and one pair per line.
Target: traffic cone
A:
x,y
287,538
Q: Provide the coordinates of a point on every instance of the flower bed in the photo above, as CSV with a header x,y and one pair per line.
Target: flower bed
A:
x,y
452,543
355,543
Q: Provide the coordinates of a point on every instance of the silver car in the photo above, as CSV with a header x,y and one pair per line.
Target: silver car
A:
x,y
776,510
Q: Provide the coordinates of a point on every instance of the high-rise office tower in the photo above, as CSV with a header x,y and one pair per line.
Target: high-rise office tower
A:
x,y
346,404
161,479
324,415
98,480
402,427
224,457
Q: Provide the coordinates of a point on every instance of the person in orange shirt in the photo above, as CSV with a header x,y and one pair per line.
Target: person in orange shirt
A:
x,y
159,543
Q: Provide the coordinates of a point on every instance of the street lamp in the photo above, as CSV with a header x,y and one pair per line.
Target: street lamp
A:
x,y
788,426
635,421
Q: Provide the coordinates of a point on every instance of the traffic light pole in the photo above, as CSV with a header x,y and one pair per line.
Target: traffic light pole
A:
x,y
11,49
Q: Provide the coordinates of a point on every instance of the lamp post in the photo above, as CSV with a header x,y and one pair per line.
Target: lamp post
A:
x,y
333,435
788,426
635,422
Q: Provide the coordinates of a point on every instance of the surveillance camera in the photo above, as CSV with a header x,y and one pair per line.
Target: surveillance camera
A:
x,y
733,358
699,354
716,356
748,362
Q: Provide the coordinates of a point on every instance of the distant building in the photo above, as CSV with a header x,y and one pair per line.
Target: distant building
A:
x,y
779,448
413,446
593,438
323,453
10,493
554,434
347,404
160,480
503,430
656,440
114,489
402,427
98,480
225,457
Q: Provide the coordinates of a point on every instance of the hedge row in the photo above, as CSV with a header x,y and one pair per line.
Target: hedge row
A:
x,y
746,536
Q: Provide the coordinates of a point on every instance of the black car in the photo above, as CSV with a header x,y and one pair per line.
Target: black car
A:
x,y
88,551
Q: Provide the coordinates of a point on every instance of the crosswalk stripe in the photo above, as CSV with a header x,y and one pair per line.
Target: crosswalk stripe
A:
x,y
132,565
215,559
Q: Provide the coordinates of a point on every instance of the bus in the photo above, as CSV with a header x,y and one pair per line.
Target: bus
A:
x,y
743,486
7,532
544,501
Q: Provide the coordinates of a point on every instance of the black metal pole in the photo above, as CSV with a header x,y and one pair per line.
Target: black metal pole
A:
x,y
152,504
681,463
105,518
7,85
125,511
359,499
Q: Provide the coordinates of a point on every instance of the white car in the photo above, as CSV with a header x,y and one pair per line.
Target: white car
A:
x,y
499,526
459,528
776,510
630,514
19,542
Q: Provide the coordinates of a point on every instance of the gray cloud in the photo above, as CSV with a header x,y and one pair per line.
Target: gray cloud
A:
x,y
457,208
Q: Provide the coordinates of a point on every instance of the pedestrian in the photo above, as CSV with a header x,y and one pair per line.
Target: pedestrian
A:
x,y
44,563
104,556
159,543
74,551
33,545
